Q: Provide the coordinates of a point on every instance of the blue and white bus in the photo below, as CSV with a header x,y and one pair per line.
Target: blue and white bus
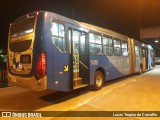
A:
x,y
50,51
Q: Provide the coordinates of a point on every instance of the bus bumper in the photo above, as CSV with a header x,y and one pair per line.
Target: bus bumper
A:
x,y
28,82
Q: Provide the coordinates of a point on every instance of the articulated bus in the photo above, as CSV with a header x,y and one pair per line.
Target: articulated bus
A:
x,y
50,51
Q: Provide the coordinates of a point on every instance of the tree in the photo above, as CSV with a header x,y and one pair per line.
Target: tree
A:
x,y
3,58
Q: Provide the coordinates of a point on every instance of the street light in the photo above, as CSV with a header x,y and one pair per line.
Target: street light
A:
x,y
156,41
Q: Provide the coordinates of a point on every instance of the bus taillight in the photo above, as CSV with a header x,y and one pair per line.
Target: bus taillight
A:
x,y
37,13
41,66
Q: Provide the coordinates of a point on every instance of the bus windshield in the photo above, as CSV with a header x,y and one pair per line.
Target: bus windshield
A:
x,y
22,27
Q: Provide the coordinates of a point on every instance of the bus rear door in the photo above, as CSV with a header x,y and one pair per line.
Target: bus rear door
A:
x,y
79,58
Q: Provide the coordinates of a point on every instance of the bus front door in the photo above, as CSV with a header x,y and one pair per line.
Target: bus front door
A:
x,y
79,59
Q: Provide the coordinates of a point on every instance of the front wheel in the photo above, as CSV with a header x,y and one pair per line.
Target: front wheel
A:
x,y
98,80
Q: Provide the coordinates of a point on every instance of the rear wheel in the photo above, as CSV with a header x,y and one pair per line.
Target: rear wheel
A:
x,y
98,80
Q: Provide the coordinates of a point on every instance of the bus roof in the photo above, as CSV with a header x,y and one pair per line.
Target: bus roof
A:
x,y
88,26
79,24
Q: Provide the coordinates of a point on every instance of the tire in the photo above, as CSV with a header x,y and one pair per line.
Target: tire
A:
x,y
98,80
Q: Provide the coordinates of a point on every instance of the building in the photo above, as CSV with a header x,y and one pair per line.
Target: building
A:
x,y
152,36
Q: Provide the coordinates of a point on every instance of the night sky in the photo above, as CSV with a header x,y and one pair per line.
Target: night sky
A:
x,y
123,16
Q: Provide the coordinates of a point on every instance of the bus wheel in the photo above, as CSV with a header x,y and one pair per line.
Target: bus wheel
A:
x,y
98,80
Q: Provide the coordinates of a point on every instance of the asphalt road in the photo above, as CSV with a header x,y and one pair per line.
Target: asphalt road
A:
x,y
133,93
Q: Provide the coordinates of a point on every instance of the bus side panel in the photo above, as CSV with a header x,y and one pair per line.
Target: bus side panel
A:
x,y
58,72
108,64
59,76
119,63
138,63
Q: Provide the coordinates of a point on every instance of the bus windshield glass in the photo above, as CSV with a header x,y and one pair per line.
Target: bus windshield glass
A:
x,y
22,27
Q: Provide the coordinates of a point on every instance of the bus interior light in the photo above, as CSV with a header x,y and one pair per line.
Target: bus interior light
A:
x,y
56,82
156,41
29,31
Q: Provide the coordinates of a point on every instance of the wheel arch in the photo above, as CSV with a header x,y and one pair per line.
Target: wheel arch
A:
x,y
101,70
98,71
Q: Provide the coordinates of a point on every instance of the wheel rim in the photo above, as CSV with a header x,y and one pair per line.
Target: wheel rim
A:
x,y
98,80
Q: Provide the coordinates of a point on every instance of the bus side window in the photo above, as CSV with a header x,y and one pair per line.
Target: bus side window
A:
x,y
83,43
137,51
58,36
107,45
124,49
140,51
95,44
76,37
117,47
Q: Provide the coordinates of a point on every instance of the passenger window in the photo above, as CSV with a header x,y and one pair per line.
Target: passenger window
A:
x,y
124,49
83,43
107,45
58,36
140,51
137,51
117,47
76,37
95,44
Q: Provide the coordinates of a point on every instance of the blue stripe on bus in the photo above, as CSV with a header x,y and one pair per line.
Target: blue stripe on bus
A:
x,y
106,65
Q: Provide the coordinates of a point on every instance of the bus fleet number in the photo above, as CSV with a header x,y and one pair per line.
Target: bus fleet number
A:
x,y
94,62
